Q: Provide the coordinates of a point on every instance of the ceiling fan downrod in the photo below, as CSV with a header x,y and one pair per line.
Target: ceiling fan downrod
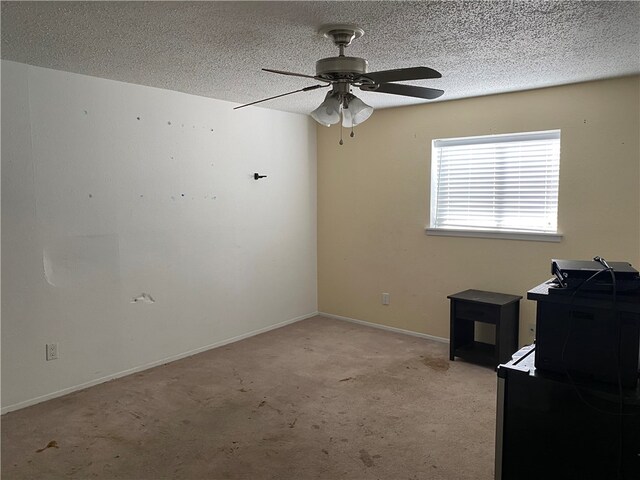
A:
x,y
342,35
341,67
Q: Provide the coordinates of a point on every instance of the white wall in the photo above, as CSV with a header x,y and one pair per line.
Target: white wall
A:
x,y
99,207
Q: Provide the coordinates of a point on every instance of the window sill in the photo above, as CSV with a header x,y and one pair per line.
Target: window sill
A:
x,y
536,237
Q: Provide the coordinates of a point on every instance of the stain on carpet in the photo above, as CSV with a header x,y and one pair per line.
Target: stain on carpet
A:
x,y
436,363
366,458
51,444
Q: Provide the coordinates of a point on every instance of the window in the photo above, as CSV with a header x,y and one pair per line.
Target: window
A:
x,y
502,186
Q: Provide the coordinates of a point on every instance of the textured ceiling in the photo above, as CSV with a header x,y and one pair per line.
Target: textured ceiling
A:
x,y
216,49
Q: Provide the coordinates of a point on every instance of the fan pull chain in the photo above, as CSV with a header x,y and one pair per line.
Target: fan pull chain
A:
x,y
341,142
352,132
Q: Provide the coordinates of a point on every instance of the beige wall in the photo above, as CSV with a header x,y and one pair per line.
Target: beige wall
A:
x,y
373,203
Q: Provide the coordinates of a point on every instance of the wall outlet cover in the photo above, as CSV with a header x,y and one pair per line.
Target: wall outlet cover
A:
x,y
52,351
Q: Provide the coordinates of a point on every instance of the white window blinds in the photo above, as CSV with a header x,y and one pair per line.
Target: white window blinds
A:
x,y
502,183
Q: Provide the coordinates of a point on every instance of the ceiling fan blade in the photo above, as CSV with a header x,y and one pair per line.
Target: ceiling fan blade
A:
x,y
406,90
282,72
401,74
305,89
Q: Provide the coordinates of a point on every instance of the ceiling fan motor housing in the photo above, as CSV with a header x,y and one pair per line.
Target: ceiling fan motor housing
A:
x,y
334,68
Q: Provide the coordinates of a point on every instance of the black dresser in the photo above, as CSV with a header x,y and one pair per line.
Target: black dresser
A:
x,y
551,427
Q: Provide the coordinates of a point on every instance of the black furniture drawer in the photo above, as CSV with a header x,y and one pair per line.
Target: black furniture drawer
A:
x,y
477,312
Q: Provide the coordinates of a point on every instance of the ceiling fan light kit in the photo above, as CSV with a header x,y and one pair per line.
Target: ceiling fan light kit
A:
x,y
343,73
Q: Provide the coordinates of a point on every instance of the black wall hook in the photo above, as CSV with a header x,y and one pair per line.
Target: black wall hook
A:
x,y
256,176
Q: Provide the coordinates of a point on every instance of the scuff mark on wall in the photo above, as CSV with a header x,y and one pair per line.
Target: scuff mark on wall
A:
x,y
81,261
48,269
143,298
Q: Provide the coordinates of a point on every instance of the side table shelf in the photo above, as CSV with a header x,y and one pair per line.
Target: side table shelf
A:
x,y
472,306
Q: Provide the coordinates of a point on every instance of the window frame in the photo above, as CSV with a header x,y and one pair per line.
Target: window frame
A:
x,y
510,234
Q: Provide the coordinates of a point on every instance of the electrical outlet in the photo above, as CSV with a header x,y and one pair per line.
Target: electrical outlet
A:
x,y
385,299
52,351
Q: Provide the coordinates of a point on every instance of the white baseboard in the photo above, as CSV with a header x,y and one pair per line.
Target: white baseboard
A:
x,y
124,373
386,327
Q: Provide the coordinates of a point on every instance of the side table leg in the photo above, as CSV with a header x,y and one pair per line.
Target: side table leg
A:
x,y
452,330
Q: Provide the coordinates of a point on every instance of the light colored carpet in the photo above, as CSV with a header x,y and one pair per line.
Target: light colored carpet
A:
x,y
318,399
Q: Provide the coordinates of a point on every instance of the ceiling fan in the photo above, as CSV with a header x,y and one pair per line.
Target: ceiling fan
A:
x,y
343,73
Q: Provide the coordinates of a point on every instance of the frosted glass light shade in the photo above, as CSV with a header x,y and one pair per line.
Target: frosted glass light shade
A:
x,y
347,118
328,112
358,111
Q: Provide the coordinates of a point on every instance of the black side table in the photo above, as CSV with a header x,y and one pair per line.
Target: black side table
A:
x,y
499,309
